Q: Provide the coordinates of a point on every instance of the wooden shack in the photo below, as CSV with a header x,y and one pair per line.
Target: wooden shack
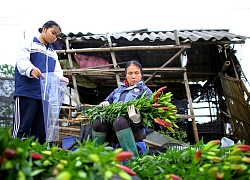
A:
x,y
195,65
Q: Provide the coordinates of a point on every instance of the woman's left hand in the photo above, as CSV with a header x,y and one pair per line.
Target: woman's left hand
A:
x,y
133,115
64,79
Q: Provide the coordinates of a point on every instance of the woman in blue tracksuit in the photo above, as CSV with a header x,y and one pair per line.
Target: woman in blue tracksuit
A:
x,y
35,57
127,131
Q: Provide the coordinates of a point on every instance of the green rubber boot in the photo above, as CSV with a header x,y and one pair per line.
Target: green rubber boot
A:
x,y
127,141
99,136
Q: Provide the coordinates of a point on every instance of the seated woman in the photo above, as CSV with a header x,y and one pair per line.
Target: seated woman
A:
x,y
127,131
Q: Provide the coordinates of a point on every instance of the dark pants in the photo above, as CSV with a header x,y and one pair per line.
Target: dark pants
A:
x,y
118,124
28,119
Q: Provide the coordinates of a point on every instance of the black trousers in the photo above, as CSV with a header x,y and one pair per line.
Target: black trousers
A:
x,y
118,124
28,119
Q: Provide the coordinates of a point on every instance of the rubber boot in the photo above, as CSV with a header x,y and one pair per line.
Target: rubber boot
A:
x,y
127,141
99,136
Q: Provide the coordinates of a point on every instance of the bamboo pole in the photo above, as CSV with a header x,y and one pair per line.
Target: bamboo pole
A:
x,y
113,59
177,41
126,48
168,62
69,129
191,107
73,76
103,71
68,107
69,121
7,78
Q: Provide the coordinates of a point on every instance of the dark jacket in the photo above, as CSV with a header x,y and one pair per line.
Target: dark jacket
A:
x,y
34,54
126,93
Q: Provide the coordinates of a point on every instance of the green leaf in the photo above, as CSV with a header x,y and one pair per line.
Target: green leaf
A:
x,y
36,172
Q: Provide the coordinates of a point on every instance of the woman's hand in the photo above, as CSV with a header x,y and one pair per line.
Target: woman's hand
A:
x,y
104,104
133,115
36,73
64,79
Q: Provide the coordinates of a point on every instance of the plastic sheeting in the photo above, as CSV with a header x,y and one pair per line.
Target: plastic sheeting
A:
x,y
53,91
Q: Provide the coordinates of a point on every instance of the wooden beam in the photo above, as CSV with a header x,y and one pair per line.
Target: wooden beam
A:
x,y
113,60
191,107
168,62
104,71
126,48
73,76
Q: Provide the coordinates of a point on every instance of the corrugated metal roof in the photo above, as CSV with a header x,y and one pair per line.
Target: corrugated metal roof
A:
x,y
184,35
205,59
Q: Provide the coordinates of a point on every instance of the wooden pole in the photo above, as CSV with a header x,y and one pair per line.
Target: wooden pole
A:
x,y
164,65
113,60
104,71
125,48
191,107
73,75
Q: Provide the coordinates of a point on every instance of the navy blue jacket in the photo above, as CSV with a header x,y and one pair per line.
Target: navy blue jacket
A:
x,y
34,54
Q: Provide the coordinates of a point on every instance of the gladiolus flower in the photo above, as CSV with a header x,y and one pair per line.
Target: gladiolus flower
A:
x,y
197,156
211,144
156,105
245,159
94,157
35,156
163,123
9,153
243,147
219,176
126,169
173,177
124,155
217,159
213,171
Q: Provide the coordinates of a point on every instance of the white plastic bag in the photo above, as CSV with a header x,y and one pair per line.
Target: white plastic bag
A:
x,y
52,91
226,142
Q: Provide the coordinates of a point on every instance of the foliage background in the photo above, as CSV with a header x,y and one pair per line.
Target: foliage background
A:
x,y
6,95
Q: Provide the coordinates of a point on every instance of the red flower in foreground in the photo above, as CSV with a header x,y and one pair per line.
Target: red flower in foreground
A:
x,y
243,147
173,177
197,156
126,169
124,155
35,156
163,123
9,153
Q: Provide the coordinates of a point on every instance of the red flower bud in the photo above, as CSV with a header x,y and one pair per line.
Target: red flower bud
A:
x,y
211,144
124,155
163,123
9,153
160,122
35,156
219,176
173,177
161,89
197,156
164,108
126,169
243,147
156,105
246,159
1,159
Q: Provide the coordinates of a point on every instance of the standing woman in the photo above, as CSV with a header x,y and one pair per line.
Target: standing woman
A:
x,y
35,57
127,131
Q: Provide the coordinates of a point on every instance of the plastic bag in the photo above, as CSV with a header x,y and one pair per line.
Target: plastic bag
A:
x,y
226,142
52,91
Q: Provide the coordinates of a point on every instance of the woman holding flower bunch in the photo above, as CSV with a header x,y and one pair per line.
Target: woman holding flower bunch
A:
x,y
130,130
